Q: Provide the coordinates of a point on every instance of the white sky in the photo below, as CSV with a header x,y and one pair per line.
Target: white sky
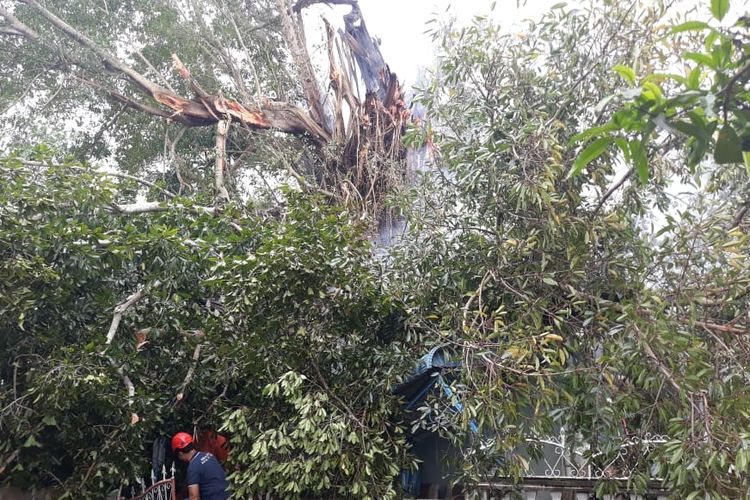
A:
x,y
400,25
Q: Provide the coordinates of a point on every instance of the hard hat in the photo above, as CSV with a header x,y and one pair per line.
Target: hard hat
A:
x,y
181,440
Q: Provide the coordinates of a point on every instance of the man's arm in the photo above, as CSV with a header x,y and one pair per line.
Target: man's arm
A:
x,y
194,492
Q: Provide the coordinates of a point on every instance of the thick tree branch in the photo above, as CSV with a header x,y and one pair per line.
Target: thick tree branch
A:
x,y
86,42
17,28
301,60
206,110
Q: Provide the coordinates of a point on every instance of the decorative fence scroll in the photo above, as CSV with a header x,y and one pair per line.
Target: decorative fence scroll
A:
x,y
562,460
163,489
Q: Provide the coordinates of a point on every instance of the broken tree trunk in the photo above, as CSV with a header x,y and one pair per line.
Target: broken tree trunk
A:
x,y
366,128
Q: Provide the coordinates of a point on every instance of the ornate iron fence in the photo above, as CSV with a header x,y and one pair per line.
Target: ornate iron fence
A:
x,y
562,460
160,489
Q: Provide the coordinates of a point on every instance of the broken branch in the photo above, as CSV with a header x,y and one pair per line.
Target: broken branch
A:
x,y
123,306
189,376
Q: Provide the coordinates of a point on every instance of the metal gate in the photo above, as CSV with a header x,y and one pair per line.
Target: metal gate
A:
x,y
163,489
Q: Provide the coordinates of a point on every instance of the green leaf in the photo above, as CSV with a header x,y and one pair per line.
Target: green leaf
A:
x,y
690,26
719,8
640,160
549,281
49,420
728,146
700,58
627,73
622,143
31,441
662,77
590,153
687,128
694,79
593,132
651,91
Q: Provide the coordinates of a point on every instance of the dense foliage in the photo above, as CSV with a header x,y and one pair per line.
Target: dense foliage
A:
x,y
294,302
597,290
616,317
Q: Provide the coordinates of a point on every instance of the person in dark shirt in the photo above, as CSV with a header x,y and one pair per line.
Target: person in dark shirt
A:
x,y
205,478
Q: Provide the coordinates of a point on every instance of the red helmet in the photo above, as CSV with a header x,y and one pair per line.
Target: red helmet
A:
x,y
181,440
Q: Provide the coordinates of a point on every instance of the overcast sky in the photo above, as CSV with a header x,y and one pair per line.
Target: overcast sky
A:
x,y
400,25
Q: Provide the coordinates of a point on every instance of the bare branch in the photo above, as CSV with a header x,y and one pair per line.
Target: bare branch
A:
x,y
145,207
189,376
122,308
166,192
134,418
740,215
17,28
302,4
612,189
155,71
85,41
655,359
728,328
221,160
185,73
9,460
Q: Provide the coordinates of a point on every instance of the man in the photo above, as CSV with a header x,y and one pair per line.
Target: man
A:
x,y
205,478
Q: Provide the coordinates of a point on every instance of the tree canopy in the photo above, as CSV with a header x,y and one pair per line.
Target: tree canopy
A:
x,y
189,215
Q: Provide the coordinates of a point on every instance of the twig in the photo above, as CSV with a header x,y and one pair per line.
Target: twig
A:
x,y
155,71
474,296
32,163
727,90
737,220
612,189
722,328
9,460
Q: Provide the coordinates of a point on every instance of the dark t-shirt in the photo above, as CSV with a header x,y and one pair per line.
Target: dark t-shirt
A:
x,y
205,471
